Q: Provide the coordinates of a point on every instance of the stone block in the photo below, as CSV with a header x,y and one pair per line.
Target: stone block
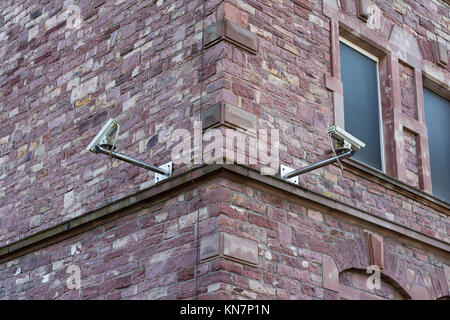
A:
x,y
440,51
233,117
362,7
240,249
233,33
330,274
229,247
376,251
233,14
303,3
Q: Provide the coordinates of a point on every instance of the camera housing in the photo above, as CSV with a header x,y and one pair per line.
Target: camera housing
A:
x,y
345,138
106,137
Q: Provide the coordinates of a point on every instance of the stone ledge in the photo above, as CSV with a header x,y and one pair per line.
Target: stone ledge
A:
x,y
185,181
436,79
231,32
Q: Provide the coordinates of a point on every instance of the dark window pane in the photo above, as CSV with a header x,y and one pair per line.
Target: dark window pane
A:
x,y
437,118
361,105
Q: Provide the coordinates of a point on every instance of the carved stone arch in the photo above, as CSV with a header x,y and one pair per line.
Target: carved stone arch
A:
x,y
353,285
334,280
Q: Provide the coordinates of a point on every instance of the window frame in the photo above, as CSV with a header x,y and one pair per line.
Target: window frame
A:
x,y
436,90
380,110
426,73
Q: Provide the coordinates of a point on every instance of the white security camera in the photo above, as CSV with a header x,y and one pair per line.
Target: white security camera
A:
x,y
106,137
345,138
104,142
348,146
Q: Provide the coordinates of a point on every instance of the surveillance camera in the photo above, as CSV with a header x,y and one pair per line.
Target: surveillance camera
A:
x,y
346,138
106,136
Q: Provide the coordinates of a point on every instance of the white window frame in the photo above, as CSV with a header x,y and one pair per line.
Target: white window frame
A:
x,y
435,91
380,115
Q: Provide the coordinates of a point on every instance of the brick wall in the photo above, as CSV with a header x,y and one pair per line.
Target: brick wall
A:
x,y
411,163
357,280
136,61
152,253
141,62
408,91
149,254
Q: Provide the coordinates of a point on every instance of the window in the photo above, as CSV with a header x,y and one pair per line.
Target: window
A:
x,y
437,118
362,114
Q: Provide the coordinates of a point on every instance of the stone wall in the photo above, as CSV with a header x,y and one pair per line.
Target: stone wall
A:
x,y
275,62
271,247
135,61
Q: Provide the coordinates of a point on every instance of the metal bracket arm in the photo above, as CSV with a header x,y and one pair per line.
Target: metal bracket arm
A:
x,y
347,152
136,162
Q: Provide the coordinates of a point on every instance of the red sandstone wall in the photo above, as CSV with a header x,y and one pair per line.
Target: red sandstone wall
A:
x,y
138,61
411,162
152,254
408,91
135,61
148,254
60,85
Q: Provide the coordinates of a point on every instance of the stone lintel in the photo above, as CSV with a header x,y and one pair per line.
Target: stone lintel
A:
x,y
233,33
224,114
229,247
376,249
